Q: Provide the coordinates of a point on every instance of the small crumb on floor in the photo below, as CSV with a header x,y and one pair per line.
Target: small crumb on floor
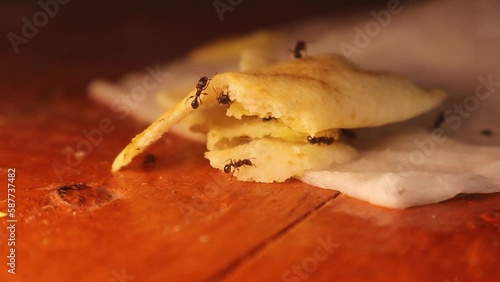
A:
x,y
486,132
80,154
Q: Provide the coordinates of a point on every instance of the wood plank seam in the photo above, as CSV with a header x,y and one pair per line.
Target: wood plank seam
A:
x,y
238,262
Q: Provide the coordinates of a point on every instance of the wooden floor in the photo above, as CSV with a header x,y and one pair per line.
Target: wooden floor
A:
x,y
178,219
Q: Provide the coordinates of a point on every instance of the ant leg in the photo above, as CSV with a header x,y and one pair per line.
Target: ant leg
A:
x,y
200,97
238,173
189,98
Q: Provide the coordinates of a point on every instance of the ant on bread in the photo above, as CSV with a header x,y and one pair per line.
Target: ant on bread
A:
x,y
320,140
223,98
299,50
236,165
200,86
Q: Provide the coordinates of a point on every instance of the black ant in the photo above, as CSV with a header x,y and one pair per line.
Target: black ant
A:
x,y
300,47
200,86
319,140
236,165
268,118
223,98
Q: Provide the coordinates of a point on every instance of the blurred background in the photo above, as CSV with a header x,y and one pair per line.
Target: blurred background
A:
x,y
53,44
109,38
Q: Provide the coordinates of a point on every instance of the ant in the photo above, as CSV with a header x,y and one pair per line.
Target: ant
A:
x,y
223,98
236,165
200,86
319,140
300,47
268,118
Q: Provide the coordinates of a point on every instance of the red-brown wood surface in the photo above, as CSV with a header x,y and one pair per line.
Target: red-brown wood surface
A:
x,y
178,219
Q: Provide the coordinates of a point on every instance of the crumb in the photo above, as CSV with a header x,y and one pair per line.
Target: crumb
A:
x,y
486,132
149,159
439,121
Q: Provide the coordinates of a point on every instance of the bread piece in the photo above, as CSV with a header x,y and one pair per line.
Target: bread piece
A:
x,y
278,160
308,96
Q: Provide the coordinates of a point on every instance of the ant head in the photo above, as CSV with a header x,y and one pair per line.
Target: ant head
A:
x,y
311,139
202,82
247,162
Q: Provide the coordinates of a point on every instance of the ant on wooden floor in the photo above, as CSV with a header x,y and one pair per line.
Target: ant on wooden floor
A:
x,y
200,86
319,140
236,165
